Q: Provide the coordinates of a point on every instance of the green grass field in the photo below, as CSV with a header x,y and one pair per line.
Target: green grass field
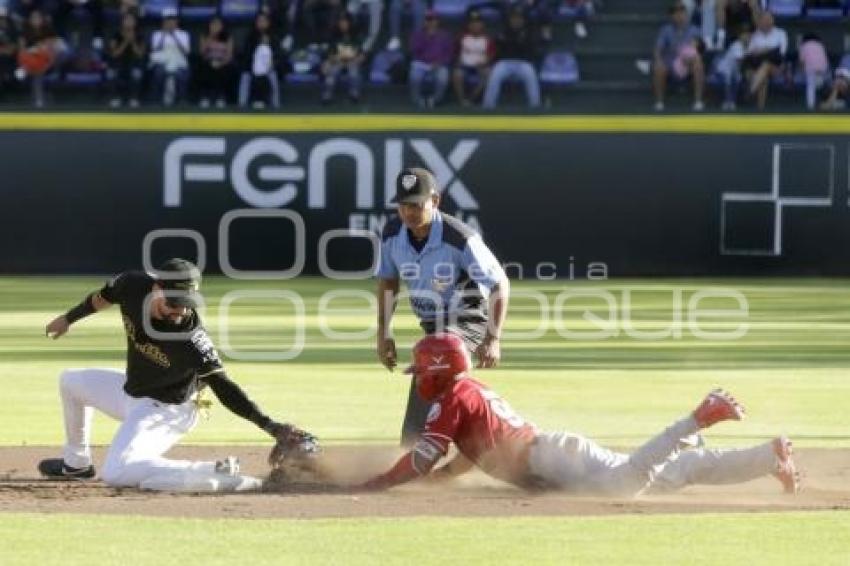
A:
x,y
789,369
793,538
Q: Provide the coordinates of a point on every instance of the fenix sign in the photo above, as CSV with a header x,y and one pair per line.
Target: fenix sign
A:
x,y
282,169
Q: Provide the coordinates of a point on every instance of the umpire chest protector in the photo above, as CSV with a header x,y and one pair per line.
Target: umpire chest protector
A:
x,y
450,276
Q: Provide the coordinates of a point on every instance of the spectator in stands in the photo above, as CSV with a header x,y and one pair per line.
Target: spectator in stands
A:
x,y
127,62
518,50
475,59
284,15
582,9
677,43
398,8
538,16
320,17
128,7
169,59
729,67
703,15
19,10
8,48
215,69
538,13
344,56
815,66
733,16
376,10
259,84
37,50
837,99
431,50
765,56
95,10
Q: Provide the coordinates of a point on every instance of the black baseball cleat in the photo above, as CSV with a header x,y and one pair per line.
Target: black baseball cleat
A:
x,y
57,469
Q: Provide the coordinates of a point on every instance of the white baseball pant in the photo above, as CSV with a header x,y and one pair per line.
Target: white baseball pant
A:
x,y
149,428
577,464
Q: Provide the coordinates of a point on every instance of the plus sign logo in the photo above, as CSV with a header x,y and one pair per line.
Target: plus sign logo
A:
x,y
802,176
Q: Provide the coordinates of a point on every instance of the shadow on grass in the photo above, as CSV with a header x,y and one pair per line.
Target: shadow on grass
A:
x,y
544,359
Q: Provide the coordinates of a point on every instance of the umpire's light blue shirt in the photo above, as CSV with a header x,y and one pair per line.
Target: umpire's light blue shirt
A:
x,y
450,278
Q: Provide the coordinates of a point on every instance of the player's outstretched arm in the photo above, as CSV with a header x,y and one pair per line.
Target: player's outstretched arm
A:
x,y
416,463
237,402
90,305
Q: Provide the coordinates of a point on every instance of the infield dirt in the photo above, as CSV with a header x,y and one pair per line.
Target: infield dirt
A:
x,y
826,486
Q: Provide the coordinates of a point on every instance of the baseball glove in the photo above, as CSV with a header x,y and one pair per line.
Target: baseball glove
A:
x,y
292,443
294,457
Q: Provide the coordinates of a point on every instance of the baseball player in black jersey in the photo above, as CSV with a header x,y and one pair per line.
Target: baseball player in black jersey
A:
x,y
170,359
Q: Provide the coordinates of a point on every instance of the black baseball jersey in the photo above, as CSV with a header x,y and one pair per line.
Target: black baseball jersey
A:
x,y
159,367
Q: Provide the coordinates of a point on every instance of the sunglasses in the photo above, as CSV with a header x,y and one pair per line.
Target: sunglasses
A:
x,y
173,304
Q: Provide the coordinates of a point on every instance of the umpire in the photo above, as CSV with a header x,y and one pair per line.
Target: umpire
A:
x,y
454,281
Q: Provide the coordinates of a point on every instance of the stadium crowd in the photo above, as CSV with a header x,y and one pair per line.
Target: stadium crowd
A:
x,y
247,52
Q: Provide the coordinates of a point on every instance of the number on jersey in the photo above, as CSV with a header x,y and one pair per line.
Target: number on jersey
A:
x,y
502,409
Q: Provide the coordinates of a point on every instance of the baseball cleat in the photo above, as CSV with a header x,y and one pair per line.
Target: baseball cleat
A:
x,y
719,405
57,469
229,466
786,471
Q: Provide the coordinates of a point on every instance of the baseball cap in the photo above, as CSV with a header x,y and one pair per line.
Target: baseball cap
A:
x,y
169,13
183,280
414,185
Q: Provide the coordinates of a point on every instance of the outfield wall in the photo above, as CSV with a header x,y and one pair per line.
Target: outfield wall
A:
x,y
555,196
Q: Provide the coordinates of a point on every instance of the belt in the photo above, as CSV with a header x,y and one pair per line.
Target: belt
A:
x,y
202,403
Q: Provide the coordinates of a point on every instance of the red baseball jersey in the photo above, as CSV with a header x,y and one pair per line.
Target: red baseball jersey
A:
x,y
483,426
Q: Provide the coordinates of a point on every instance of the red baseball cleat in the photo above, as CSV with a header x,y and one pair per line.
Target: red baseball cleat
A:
x,y
786,472
719,405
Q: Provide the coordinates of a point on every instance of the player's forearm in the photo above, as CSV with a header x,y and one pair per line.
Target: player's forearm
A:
x,y
403,472
498,307
236,400
387,293
90,305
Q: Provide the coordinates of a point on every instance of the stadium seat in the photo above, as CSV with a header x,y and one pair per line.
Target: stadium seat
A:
x,y
826,14
559,68
81,67
453,9
305,65
154,8
239,10
567,11
382,64
198,13
83,79
786,8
